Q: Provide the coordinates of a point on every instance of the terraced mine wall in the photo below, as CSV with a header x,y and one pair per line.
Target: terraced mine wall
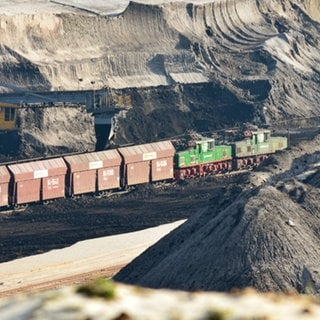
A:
x,y
199,65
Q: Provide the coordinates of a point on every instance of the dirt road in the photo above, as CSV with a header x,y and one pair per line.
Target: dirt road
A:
x,y
79,263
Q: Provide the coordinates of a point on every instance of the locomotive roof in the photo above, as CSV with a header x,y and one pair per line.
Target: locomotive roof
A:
x,y
261,131
205,140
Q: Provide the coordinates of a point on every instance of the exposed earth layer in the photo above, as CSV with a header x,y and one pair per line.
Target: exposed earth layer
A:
x,y
198,65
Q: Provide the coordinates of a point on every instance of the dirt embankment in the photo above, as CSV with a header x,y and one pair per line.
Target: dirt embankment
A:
x,y
55,130
266,237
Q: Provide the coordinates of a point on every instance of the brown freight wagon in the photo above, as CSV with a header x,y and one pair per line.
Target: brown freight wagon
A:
x,y
4,186
38,180
92,172
148,162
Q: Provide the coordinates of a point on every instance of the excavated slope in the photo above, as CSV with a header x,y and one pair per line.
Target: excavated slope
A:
x,y
55,130
266,53
266,238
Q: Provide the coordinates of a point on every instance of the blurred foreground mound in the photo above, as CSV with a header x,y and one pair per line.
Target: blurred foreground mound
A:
x,y
103,299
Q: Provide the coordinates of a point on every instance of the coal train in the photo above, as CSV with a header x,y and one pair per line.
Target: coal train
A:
x,y
117,169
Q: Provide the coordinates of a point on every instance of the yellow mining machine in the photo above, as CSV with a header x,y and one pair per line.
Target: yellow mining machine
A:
x,y
8,114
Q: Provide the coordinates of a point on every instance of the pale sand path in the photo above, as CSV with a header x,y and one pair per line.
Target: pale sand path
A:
x,y
90,256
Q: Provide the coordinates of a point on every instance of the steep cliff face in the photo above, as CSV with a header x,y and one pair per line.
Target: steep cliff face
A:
x,y
266,53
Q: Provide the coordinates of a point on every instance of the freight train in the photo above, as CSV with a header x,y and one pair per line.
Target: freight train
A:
x,y
116,169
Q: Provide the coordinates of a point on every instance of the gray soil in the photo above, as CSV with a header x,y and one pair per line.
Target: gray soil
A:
x,y
203,66
266,235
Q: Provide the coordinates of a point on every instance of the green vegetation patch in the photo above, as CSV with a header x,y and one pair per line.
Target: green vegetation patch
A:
x,y
100,287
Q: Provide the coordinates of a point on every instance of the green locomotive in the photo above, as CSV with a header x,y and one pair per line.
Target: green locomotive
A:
x,y
255,148
204,156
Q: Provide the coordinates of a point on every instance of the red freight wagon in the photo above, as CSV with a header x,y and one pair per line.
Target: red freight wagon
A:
x,y
38,180
148,162
95,171
4,186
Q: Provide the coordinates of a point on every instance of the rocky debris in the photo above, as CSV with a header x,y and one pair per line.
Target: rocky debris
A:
x,y
301,162
266,237
106,300
54,130
48,130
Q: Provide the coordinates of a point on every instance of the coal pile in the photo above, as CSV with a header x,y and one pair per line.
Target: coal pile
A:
x,y
267,237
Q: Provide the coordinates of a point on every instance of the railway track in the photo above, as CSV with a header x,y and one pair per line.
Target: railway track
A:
x,y
295,136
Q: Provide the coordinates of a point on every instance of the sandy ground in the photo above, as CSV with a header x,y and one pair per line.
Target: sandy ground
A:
x,y
78,263
95,6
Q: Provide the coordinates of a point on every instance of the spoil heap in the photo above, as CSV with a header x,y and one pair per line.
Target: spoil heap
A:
x,y
267,237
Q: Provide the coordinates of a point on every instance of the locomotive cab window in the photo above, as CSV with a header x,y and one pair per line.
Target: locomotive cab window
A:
x,y
260,137
210,145
204,147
